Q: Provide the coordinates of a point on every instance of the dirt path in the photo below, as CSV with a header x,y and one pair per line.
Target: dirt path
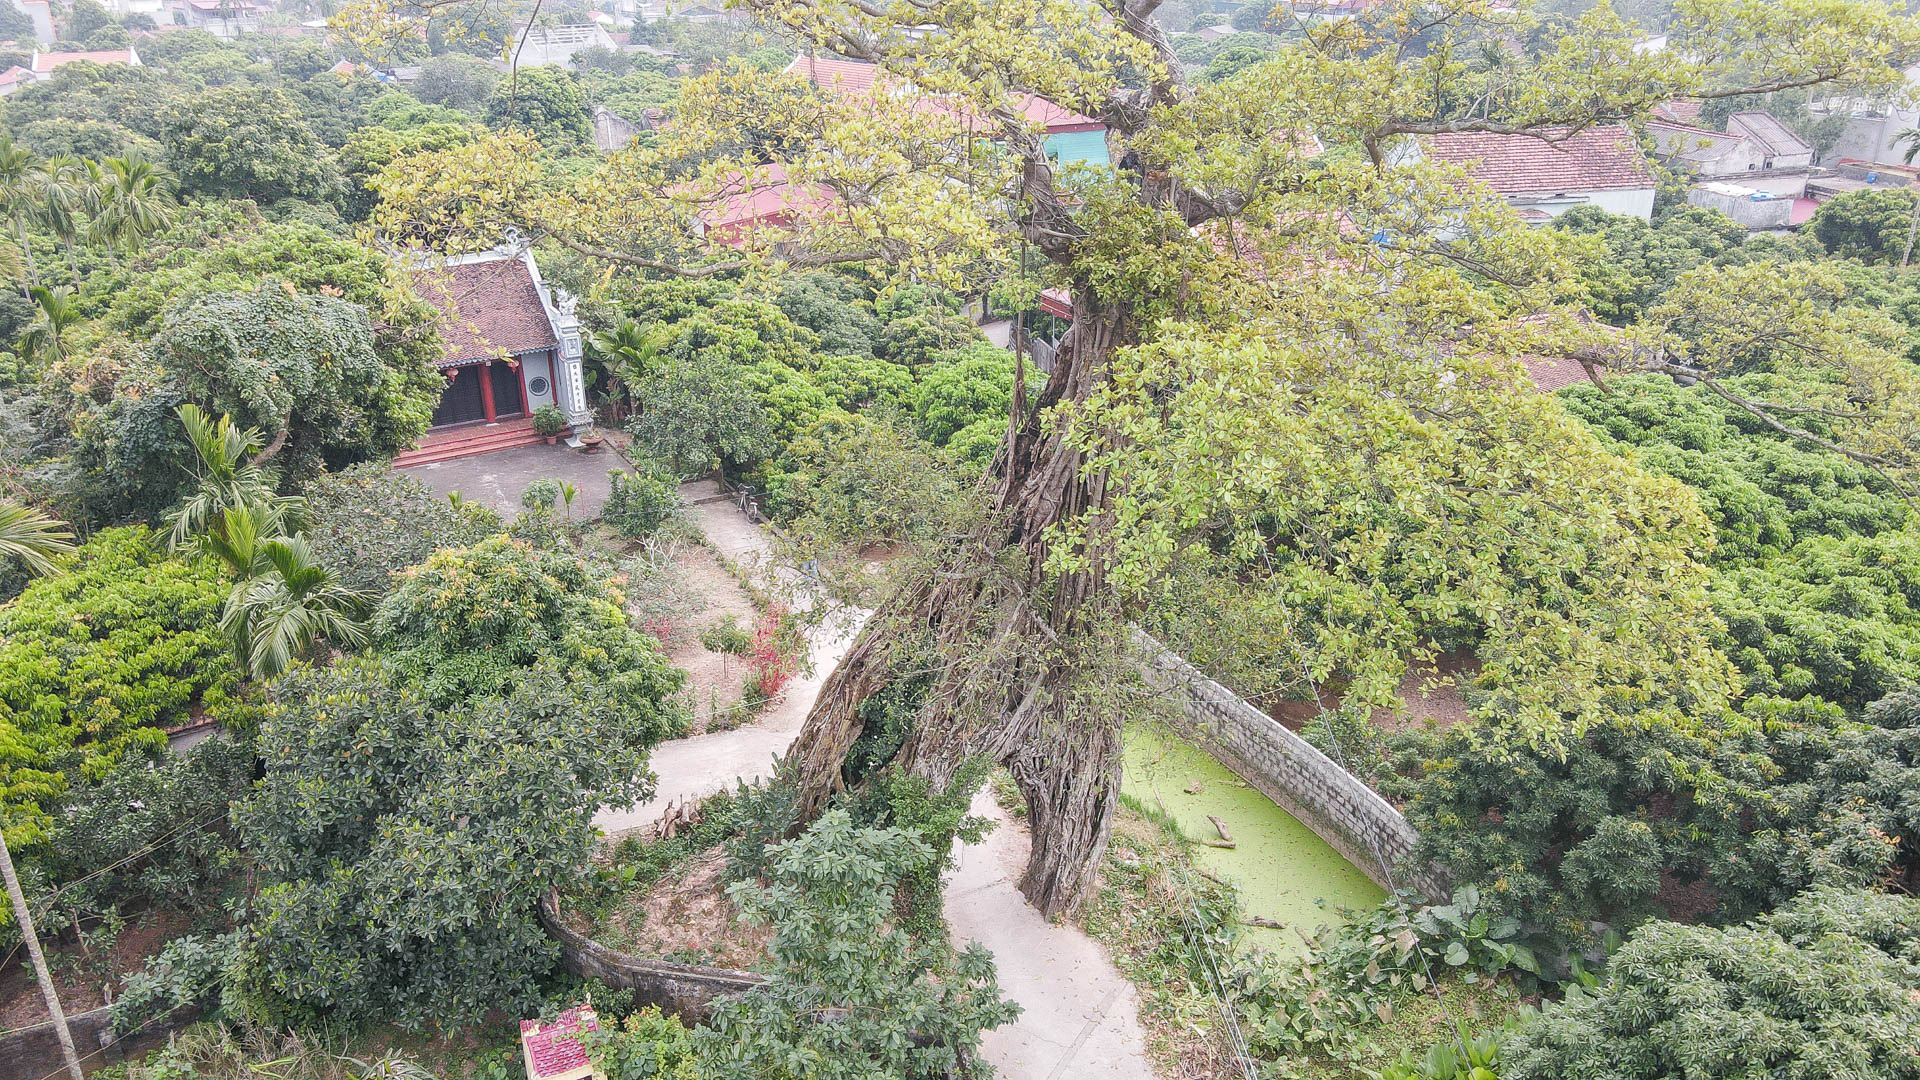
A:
x,y
1080,1017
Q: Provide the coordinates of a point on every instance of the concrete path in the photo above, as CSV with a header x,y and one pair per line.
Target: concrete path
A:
x,y
1081,1017
499,479
699,766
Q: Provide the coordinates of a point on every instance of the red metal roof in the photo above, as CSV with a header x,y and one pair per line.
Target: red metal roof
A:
x,y
487,309
554,1049
766,198
855,78
1596,159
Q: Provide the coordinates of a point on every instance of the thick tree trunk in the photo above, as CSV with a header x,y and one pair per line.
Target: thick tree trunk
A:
x,y
1016,649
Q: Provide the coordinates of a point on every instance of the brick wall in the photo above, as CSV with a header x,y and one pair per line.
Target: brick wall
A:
x,y
1350,816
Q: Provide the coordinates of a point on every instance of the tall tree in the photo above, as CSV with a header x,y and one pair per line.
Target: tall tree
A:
x,y
1309,363
133,203
20,170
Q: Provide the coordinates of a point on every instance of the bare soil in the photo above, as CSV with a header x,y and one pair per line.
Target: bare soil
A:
x,y
686,916
82,981
714,680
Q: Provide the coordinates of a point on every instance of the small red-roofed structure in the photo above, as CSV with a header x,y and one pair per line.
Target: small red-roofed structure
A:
x,y
553,1050
1555,169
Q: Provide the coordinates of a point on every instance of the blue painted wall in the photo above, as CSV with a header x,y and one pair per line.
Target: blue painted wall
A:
x,y
1078,147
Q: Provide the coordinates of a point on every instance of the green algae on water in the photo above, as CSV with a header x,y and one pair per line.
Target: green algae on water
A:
x,y
1279,865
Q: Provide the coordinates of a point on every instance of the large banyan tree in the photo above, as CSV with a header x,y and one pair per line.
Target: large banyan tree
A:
x,y
1294,349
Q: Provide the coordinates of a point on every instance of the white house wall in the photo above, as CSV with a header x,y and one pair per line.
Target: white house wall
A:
x,y
538,369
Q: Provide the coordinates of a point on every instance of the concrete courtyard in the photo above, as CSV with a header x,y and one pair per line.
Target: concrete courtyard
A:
x,y
499,479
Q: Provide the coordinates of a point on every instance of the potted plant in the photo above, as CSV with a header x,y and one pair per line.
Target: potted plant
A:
x,y
548,423
590,440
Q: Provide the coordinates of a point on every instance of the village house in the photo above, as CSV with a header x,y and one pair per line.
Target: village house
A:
x,y
221,18
556,46
43,64
512,345
1543,176
1068,137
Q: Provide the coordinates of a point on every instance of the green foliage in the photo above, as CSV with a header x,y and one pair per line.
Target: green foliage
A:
x,y
473,622
1870,225
900,1009
1643,260
1819,570
697,416
302,365
188,970
1465,1058
367,523
1822,987
1354,974
456,81
853,482
249,143
831,307
408,891
549,421
726,636
647,1045
148,835
545,101
962,388
789,400
1630,820
94,662
639,502
541,494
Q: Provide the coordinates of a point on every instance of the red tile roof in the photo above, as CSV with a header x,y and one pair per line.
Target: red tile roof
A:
x,y
1551,373
44,62
1596,159
1679,111
766,198
554,1049
487,309
855,78
15,74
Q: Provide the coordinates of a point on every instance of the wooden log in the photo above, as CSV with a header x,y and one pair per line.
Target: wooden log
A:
x,y
1221,828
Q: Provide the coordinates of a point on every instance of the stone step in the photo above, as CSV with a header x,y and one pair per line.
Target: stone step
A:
x,y
482,441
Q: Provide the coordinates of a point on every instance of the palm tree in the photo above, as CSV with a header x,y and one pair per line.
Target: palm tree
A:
x,y
229,479
19,178
63,196
630,353
39,541
133,203
285,604
56,311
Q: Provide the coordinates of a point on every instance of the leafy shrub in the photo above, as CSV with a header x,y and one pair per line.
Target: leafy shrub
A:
x,y
1354,972
96,661
900,1008
1822,987
1466,1058
645,1046
409,890
549,421
187,970
541,494
1628,818
961,388
472,622
852,481
777,652
368,523
639,502
148,835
